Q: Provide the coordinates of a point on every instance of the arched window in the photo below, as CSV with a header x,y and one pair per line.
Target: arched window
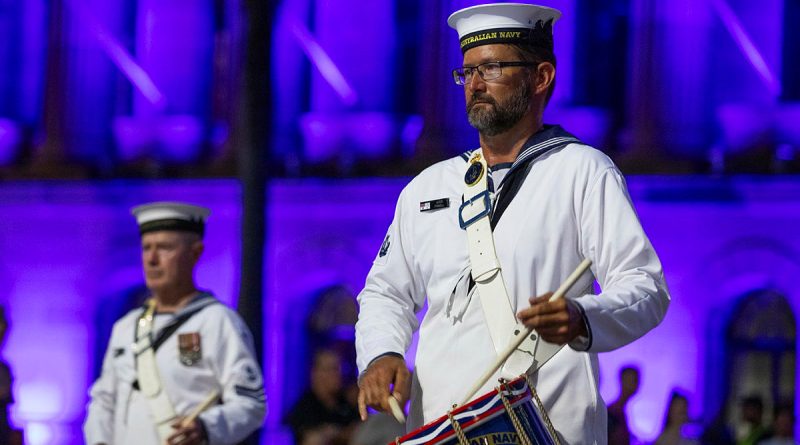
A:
x,y
760,341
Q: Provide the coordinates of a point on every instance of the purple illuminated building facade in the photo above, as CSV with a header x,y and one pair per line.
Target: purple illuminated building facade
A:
x,y
71,264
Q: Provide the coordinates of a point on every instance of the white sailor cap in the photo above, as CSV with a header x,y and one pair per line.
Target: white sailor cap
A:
x,y
170,216
514,23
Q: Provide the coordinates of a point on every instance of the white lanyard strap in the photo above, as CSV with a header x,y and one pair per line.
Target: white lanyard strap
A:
x,y
147,373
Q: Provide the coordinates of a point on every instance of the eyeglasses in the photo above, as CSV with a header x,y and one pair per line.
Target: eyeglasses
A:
x,y
487,71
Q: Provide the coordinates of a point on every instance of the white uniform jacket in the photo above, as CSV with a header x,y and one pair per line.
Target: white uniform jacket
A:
x,y
572,205
119,414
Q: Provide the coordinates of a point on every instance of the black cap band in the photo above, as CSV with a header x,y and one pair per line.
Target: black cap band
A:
x,y
180,225
486,37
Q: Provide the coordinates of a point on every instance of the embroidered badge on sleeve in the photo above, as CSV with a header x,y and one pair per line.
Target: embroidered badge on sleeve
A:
x,y
383,252
385,247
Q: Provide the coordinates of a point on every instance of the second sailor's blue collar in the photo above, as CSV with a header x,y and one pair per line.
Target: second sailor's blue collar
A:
x,y
201,299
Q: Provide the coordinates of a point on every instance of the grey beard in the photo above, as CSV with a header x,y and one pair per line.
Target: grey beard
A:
x,y
500,117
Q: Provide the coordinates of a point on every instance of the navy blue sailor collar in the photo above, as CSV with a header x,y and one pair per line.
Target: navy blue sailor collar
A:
x,y
547,138
201,300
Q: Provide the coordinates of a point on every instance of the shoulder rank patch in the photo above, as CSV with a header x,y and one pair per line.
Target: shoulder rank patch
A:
x,y
441,203
385,247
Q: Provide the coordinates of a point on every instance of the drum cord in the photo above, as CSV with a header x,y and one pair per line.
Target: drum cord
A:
x,y
462,439
523,437
543,411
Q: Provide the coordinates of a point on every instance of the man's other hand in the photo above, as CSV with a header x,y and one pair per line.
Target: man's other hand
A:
x,y
386,376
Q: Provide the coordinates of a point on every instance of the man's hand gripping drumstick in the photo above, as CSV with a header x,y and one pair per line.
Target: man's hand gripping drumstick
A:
x,y
374,385
555,319
187,430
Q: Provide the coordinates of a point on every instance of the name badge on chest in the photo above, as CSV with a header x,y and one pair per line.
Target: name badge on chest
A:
x,y
441,203
190,349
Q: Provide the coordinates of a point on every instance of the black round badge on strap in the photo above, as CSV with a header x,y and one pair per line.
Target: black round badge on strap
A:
x,y
474,173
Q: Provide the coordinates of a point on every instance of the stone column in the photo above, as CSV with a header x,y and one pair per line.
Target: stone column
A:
x,y
669,105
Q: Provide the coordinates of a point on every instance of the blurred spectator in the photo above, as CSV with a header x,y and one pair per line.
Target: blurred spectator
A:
x,y
378,429
718,432
618,431
331,325
8,435
750,429
323,415
782,426
676,418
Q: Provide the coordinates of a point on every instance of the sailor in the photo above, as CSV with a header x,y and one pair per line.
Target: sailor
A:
x,y
183,348
484,239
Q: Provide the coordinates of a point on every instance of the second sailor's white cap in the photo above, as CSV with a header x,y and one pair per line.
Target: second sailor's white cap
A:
x,y
170,216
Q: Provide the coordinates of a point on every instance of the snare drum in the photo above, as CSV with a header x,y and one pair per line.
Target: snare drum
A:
x,y
499,417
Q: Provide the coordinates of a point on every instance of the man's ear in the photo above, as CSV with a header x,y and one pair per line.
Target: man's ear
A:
x,y
197,249
543,78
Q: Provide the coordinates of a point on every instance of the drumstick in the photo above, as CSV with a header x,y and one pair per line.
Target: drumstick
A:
x,y
211,398
396,411
519,338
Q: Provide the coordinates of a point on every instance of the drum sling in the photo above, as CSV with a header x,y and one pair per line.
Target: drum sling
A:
x,y
144,349
478,218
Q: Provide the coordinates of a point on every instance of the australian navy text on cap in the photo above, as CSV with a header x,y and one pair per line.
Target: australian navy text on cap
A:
x,y
170,216
514,23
